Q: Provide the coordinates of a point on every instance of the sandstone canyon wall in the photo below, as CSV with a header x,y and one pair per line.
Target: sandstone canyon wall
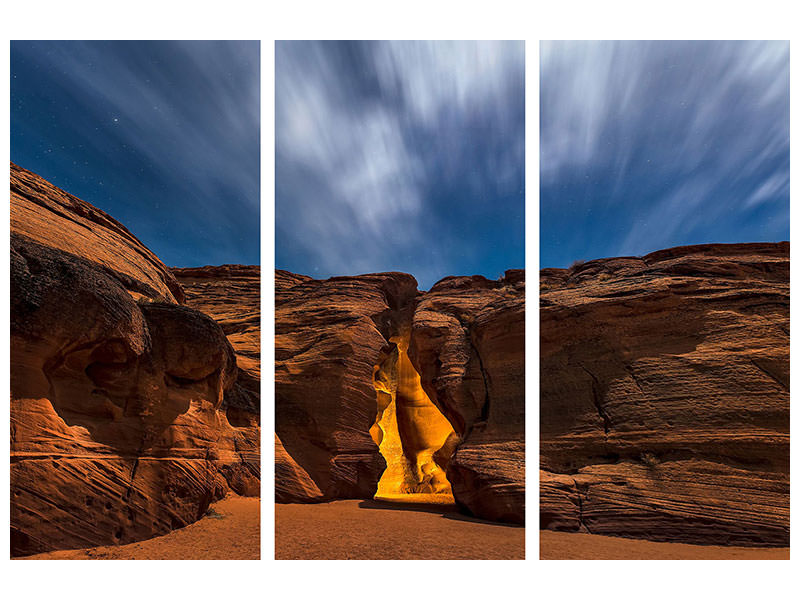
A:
x,y
120,393
434,380
665,396
468,342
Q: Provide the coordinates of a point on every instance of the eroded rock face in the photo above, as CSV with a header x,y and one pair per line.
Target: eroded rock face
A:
x,y
468,343
340,346
231,295
116,429
665,396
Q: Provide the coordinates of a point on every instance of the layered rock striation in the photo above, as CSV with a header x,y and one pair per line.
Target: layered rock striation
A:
x,y
665,396
118,391
370,371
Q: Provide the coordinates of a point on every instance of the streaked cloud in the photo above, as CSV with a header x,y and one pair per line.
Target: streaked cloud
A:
x,y
646,145
389,155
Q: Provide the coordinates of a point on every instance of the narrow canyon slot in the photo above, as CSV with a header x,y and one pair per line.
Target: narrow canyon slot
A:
x,y
414,437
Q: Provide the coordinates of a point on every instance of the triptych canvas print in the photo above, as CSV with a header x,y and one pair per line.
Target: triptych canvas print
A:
x,y
406,402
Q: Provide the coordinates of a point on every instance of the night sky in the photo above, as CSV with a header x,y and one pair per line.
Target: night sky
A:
x,y
163,136
403,156
649,145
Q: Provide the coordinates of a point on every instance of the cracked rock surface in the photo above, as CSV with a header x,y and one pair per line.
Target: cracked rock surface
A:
x,y
665,395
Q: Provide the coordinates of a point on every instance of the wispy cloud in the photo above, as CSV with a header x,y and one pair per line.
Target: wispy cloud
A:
x,y
676,142
385,151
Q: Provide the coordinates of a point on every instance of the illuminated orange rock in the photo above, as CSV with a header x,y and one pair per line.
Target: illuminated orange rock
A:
x,y
359,405
118,393
414,437
665,395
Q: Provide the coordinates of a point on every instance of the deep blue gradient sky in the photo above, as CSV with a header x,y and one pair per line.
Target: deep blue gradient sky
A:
x,y
405,156
163,136
649,145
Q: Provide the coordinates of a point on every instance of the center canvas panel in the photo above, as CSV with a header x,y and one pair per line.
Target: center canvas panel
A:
x,y
400,300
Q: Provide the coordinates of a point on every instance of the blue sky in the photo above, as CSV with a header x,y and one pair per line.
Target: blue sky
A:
x,y
164,136
649,145
404,156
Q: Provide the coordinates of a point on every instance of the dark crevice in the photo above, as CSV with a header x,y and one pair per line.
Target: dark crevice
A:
x,y
484,415
635,379
596,399
612,458
133,475
770,375
484,418
580,506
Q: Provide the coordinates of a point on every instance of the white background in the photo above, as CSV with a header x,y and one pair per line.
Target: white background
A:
x,y
412,19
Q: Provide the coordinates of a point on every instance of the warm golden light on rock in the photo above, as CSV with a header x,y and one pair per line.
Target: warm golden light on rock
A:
x,y
415,439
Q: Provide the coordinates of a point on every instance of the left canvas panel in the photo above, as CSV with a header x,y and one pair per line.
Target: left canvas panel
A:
x,y
134,283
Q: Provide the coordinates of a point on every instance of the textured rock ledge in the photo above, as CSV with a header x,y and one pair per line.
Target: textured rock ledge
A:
x,y
467,344
46,214
665,396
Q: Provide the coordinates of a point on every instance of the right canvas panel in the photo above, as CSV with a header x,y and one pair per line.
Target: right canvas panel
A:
x,y
664,290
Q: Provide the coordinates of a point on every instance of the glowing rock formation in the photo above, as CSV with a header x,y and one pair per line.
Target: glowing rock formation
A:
x,y
415,439
329,335
444,371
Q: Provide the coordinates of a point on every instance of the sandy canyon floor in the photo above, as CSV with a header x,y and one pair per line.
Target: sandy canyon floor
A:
x,y
230,531
560,545
381,529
